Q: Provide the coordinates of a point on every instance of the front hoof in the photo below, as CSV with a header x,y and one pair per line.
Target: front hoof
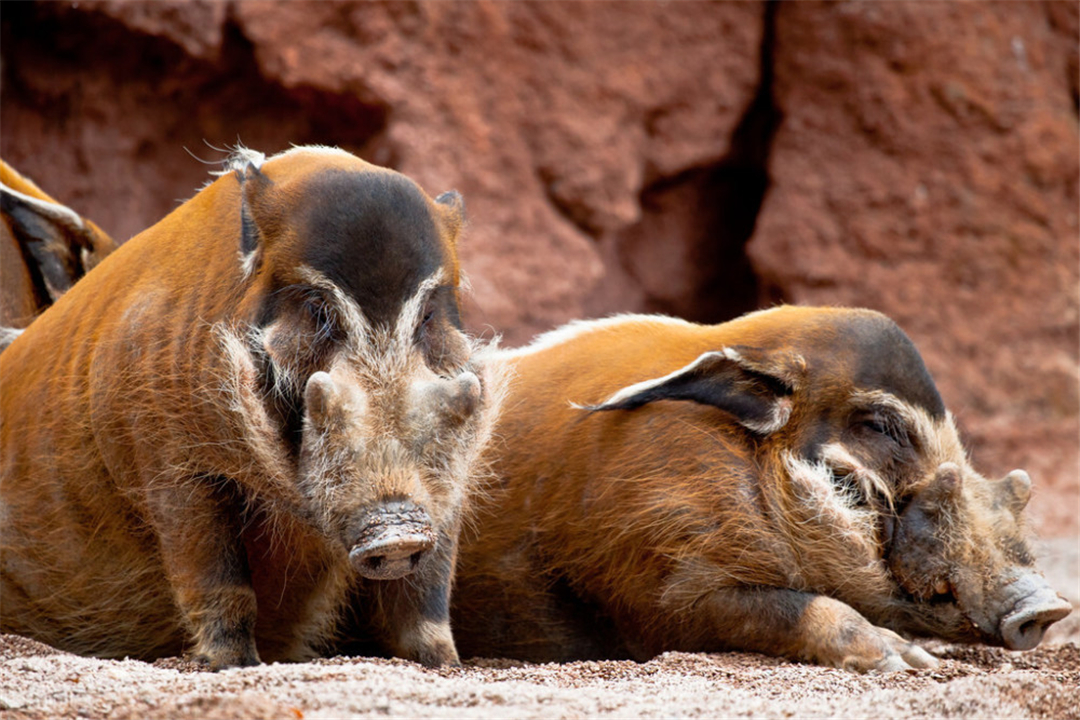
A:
x,y
891,654
441,654
222,659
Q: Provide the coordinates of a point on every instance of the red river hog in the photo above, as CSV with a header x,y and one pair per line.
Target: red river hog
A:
x,y
246,411
788,483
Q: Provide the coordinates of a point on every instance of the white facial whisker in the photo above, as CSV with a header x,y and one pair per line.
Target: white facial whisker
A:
x,y
355,325
412,311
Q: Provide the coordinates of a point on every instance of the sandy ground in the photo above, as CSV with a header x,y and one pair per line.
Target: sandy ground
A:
x,y
37,681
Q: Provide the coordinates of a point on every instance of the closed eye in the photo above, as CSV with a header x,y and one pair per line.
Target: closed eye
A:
x,y
884,424
322,319
877,426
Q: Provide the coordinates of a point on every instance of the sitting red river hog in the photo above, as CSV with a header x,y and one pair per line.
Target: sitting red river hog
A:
x,y
247,410
789,483
45,247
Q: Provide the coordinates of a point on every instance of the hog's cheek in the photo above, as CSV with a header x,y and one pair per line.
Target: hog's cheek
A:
x,y
917,558
971,596
443,346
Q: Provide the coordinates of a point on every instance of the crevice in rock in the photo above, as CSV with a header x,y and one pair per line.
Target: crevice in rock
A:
x,y
688,252
568,205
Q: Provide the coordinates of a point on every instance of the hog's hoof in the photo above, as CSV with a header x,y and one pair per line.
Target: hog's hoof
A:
x,y
913,658
893,654
430,643
439,655
215,660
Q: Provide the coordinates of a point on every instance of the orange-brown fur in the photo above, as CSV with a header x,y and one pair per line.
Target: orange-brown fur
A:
x,y
150,502
671,526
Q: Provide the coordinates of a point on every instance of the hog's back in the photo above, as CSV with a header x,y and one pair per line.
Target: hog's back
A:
x,y
589,514
94,397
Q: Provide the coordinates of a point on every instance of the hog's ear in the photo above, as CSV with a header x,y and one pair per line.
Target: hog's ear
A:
x,y
750,384
53,238
1015,490
452,209
257,216
319,399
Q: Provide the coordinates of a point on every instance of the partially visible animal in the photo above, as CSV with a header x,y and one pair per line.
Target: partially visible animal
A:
x,y
44,249
789,483
244,413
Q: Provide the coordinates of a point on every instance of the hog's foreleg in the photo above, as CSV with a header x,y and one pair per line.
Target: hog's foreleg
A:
x,y
198,525
412,615
809,627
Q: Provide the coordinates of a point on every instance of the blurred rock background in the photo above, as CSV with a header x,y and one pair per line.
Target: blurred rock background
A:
x,y
692,158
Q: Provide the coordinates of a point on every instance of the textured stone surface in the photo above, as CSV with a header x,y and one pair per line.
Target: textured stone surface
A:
x,y
930,171
700,159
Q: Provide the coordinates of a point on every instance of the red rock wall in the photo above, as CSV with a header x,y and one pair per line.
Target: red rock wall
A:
x,y
698,159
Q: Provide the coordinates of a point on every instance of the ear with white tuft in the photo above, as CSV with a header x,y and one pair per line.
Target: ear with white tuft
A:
x,y
253,209
752,385
7,336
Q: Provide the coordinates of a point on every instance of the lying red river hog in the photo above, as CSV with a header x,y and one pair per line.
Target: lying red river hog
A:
x,y
245,411
789,483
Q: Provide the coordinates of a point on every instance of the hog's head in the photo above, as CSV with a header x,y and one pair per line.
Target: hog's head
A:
x,y
865,473
387,461
958,550
867,419
352,289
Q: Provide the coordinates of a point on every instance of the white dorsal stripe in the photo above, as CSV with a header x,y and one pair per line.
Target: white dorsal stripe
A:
x,y
577,328
240,157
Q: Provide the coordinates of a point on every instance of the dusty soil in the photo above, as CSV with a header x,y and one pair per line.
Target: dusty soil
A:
x,y
37,681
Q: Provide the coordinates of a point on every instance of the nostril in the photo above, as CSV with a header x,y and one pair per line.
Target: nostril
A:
x,y
1026,636
392,541
1024,629
392,554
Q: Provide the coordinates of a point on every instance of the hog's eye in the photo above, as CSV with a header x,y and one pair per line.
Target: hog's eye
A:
x,y
883,426
876,426
317,319
426,318
321,318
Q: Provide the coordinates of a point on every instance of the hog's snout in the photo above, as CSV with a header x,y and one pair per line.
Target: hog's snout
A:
x,y
393,541
1023,628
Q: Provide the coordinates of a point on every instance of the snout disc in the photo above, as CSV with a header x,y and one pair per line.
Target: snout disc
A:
x,y
392,555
